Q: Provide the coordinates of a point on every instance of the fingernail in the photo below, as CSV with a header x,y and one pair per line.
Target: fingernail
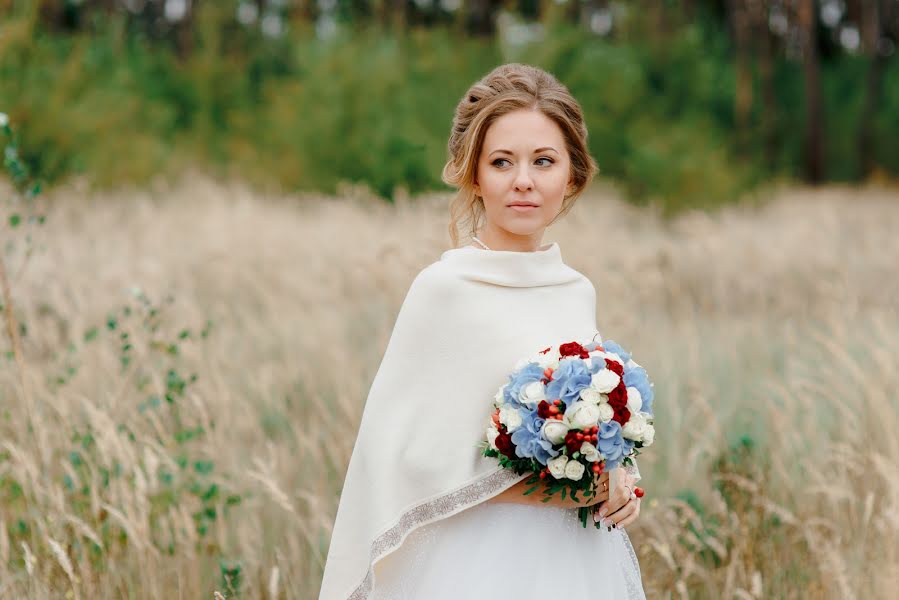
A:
x,y
602,512
614,525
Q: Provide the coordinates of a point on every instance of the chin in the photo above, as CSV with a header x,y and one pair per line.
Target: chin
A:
x,y
524,230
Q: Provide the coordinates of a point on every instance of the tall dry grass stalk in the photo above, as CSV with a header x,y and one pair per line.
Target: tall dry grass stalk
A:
x,y
771,334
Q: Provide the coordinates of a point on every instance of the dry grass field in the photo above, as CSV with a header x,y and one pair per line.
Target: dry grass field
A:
x,y
772,333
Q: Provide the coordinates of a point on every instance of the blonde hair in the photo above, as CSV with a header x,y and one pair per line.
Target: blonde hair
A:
x,y
505,89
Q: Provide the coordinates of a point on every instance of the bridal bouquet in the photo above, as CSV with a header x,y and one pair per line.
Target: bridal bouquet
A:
x,y
569,412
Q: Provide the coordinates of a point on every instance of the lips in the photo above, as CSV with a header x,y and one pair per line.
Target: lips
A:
x,y
523,204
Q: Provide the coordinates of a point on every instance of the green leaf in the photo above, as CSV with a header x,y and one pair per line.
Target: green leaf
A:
x,y
529,491
15,219
203,467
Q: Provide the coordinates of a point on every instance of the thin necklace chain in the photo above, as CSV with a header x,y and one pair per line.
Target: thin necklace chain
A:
x,y
480,242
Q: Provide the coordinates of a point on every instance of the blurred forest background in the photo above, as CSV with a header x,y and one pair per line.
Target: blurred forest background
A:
x,y
211,211
689,102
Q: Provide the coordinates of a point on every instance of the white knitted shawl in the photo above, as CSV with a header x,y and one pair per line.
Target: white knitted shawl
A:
x,y
466,320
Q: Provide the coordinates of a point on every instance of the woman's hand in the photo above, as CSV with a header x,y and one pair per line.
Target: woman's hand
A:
x,y
516,495
620,509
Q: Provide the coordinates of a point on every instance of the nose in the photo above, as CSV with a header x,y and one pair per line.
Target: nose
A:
x,y
523,180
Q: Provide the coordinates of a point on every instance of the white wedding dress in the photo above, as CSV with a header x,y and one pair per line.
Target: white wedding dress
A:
x,y
506,551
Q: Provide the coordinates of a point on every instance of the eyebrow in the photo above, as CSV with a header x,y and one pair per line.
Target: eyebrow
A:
x,y
509,152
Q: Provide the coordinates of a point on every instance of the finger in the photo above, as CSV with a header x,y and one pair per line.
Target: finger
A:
x,y
630,518
600,497
617,498
622,513
612,519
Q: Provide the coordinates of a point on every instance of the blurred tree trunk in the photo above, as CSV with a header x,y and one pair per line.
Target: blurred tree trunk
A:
x,y
481,17
184,32
813,141
738,14
769,114
303,12
398,17
573,11
870,34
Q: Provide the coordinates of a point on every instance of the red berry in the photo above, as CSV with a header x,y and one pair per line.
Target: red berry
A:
x,y
542,474
548,373
557,402
579,436
638,492
553,410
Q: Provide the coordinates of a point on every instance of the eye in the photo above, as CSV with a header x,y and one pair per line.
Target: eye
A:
x,y
551,161
498,160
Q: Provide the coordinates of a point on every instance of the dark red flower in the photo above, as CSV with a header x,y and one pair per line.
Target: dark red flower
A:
x,y
573,349
504,444
618,396
622,415
543,409
572,442
615,367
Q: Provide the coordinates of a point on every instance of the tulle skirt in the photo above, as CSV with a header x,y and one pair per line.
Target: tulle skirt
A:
x,y
506,551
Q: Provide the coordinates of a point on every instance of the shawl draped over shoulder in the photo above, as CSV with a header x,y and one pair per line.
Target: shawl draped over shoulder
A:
x,y
464,323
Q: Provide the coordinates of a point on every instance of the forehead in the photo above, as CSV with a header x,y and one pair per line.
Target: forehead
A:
x,y
523,130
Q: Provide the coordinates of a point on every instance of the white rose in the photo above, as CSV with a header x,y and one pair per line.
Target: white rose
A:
x,y
554,430
588,394
574,470
550,359
634,428
589,452
510,417
634,400
556,466
605,380
605,412
649,434
492,433
499,399
532,393
582,415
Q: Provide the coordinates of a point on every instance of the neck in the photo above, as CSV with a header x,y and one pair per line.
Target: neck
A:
x,y
499,239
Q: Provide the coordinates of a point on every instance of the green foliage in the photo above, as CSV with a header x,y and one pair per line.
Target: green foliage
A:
x,y
300,113
148,347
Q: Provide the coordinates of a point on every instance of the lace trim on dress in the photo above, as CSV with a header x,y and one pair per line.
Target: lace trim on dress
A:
x,y
429,511
634,588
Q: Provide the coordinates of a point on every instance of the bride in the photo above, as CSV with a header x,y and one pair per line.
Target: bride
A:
x,y
422,514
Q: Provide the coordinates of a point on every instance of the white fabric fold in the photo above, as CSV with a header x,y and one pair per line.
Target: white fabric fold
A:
x,y
464,323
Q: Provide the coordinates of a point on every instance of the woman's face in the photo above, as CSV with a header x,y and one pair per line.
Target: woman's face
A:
x,y
523,174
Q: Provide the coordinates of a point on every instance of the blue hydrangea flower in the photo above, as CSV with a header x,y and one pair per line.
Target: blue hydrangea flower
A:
x,y
613,347
528,441
637,377
520,379
612,444
569,379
